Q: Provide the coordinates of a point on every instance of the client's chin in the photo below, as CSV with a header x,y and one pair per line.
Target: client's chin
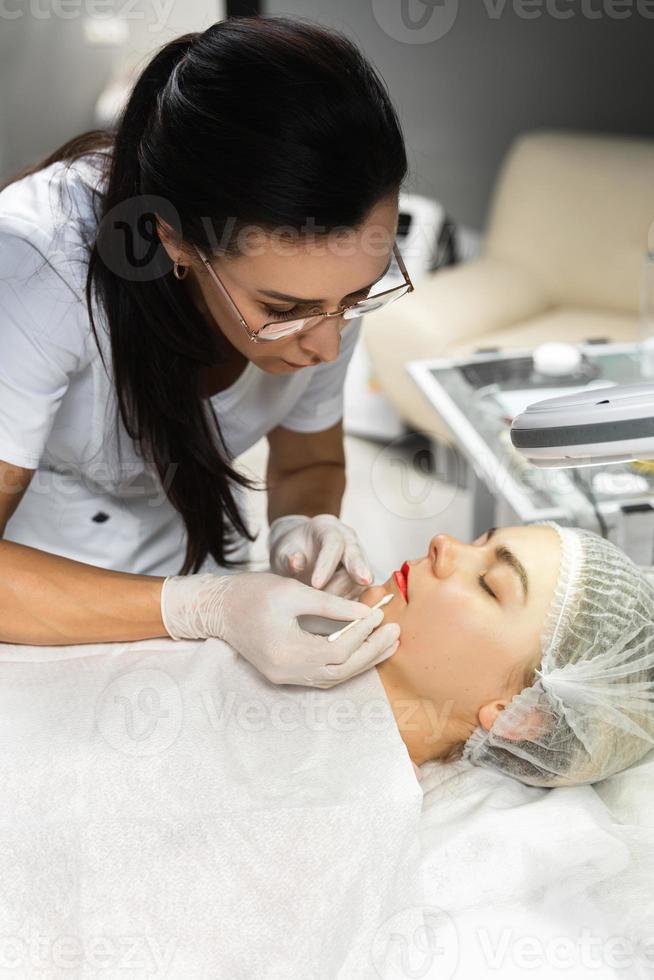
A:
x,y
392,614
374,594
377,592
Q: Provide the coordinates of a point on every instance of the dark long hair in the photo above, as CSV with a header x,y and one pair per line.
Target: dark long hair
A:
x,y
260,121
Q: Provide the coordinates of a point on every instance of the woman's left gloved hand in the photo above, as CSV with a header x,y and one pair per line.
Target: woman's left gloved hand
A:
x,y
319,551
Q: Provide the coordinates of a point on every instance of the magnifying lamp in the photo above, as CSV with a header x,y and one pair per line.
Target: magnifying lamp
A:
x,y
591,427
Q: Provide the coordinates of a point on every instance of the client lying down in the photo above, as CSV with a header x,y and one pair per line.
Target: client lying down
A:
x,y
168,790
530,651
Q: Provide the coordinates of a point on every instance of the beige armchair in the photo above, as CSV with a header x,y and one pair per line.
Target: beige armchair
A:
x,y
563,259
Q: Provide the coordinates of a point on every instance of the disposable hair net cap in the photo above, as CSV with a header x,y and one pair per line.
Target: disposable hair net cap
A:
x,y
590,711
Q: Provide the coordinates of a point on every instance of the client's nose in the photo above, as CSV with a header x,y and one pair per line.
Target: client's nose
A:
x,y
443,552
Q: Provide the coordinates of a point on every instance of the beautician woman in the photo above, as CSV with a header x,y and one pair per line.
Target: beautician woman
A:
x,y
153,285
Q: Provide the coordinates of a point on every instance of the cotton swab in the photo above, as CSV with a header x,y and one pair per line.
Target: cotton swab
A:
x,y
382,602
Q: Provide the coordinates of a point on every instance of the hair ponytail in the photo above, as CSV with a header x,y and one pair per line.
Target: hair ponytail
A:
x,y
156,366
257,120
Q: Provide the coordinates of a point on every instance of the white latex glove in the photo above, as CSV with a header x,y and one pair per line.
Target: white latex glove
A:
x,y
321,551
256,613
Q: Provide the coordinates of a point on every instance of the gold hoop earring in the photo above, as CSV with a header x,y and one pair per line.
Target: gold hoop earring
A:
x,y
179,271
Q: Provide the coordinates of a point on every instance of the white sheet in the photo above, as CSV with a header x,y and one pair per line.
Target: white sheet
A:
x,y
529,882
143,836
168,812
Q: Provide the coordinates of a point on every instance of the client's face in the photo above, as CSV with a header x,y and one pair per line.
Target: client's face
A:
x,y
470,616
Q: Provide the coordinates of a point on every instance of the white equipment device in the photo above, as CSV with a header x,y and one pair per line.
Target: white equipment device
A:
x,y
591,427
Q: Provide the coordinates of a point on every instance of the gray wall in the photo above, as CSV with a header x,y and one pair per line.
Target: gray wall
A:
x,y
462,98
51,76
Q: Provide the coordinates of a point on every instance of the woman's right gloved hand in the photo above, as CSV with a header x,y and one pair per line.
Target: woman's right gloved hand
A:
x,y
256,613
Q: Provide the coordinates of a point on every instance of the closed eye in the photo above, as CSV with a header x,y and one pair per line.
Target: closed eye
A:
x,y
300,311
485,586
274,314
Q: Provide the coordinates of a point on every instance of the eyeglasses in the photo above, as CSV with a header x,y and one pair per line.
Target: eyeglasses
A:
x,y
276,330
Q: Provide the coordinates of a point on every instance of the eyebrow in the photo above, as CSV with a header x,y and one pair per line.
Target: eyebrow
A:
x,y
504,555
303,301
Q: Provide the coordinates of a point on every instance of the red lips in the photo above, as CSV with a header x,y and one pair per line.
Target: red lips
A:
x,y
401,580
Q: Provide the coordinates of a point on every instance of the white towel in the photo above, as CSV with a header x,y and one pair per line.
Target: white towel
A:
x,y
166,811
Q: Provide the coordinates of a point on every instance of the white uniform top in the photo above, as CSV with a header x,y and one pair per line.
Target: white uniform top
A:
x,y
58,404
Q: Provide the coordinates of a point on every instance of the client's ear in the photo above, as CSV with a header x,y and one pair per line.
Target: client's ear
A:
x,y
532,722
489,712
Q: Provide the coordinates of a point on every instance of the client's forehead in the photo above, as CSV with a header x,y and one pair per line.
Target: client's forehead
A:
x,y
537,546
530,534
539,550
